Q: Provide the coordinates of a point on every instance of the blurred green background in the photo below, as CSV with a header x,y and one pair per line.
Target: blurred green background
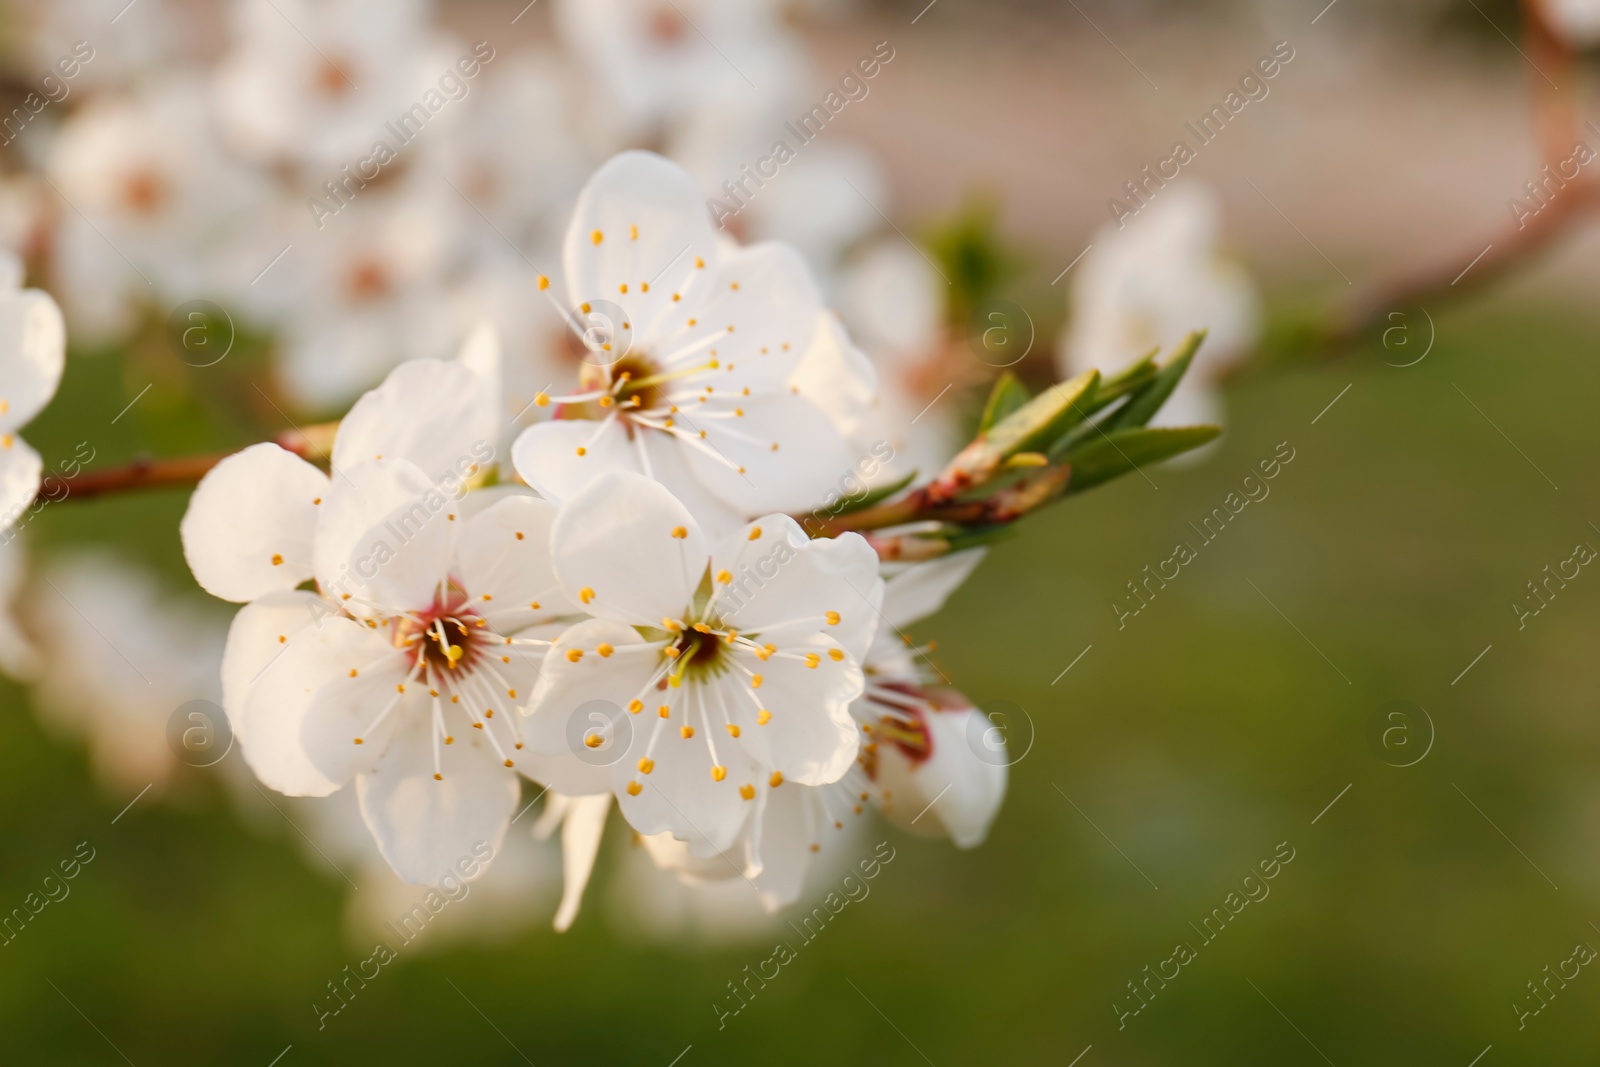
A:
x,y
1196,739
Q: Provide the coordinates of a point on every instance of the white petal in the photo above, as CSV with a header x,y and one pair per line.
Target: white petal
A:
x,y
20,471
679,795
967,778
577,698
279,700
789,827
546,455
580,843
424,826
921,589
783,585
249,526
628,550
385,536
32,354
810,736
503,562
781,454
653,229
757,320
837,377
259,634
440,416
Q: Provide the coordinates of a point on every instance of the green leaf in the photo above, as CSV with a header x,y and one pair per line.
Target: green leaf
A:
x,y
1144,404
1008,395
1117,452
1042,421
873,496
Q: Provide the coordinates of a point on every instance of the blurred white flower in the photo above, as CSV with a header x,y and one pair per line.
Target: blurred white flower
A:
x,y
153,204
655,62
746,656
123,48
936,766
117,657
365,294
1578,21
401,669
693,390
19,659
33,352
1148,285
314,83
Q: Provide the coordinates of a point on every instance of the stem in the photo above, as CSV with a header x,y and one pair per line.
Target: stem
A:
x,y
1557,125
148,473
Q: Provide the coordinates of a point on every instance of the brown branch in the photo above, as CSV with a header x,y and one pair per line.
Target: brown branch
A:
x,y
148,473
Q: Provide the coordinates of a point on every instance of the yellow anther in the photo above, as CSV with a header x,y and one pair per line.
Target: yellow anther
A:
x,y
634,789
671,653
277,560
812,659
353,674
664,711
836,654
776,780
586,594
680,532
699,263
755,681
646,765
733,729
718,772
635,706
594,741
510,764
606,401
574,655
544,283
543,400
605,650
597,237
763,717
832,617
623,288
584,451
687,732
755,533
633,233
747,791
358,741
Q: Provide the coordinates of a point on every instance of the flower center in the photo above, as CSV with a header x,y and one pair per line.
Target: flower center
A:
x,y
367,280
667,25
445,638
329,79
144,192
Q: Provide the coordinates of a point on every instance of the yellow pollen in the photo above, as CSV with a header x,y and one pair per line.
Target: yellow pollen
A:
x,y
606,401
544,283
283,638
680,532
776,780
718,772
832,617
586,594
763,717
687,732
358,740
597,237
584,451
755,533
677,296
633,233
450,739
762,654
646,765
606,650
663,711
585,307
594,741
724,577
816,848
733,285
623,288
510,764
644,287
506,659
699,263
277,560
836,654
693,321
634,788
487,596
747,791
519,535
438,777
755,681
477,726
353,674
318,500
574,655
543,400
455,699
635,706
812,659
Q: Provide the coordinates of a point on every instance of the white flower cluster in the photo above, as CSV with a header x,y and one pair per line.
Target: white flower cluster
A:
x,y
642,619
